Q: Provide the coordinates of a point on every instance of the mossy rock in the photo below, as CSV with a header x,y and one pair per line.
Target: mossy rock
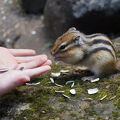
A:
x,y
41,102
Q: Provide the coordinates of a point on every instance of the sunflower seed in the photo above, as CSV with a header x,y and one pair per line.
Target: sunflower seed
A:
x,y
4,69
64,71
55,74
69,82
30,84
103,97
58,85
66,96
93,91
95,80
73,91
52,80
59,91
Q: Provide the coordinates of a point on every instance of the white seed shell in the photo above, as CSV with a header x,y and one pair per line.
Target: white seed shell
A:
x,y
69,82
52,80
55,74
73,91
72,84
64,71
66,96
93,91
4,69
95,80
59,91
32,84
103,97
58,85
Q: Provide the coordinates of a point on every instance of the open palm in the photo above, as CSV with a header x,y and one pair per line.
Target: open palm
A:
x,y
14,59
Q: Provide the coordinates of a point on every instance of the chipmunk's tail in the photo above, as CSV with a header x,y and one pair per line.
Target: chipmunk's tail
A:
x,y
118,65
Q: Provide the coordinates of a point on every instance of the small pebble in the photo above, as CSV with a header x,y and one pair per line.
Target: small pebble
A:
x,y
33,32
4,18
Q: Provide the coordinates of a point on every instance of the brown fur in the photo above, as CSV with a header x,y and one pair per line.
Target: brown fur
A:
x,y
99,62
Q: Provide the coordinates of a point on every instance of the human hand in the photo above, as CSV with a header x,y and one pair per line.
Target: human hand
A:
x,y
14,59
14,78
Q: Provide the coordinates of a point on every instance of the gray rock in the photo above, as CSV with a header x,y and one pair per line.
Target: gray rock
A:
x,y
89,16
33,6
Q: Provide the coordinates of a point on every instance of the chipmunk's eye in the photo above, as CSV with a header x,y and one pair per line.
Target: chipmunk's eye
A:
x,y
62,47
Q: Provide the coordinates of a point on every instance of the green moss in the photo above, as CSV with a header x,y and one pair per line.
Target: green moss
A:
x,y
39,96
90,112
100,119
116,114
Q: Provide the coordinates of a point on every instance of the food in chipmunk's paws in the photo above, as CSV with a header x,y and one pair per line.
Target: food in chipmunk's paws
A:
x,y
95,51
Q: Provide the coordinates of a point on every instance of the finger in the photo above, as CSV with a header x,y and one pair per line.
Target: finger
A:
x,y
11,80
28,59
22,52
37,71
35,63
49,62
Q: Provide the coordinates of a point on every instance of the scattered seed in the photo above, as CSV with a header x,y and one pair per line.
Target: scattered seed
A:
x,y
58,85
73,91
64,71
66,96
112,97
69,82
59,91
4,69
87,99
93,91
55,74
52,80
103,97
32,84
95,80
72,84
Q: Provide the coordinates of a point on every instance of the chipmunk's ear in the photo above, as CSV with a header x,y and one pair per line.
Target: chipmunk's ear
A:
x,y
72,28
78,41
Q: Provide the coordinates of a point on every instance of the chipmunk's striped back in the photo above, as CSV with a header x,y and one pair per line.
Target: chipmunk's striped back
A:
x,y
100,42
94,51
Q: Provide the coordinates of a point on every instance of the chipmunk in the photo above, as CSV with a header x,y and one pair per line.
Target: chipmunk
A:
x,y
95,51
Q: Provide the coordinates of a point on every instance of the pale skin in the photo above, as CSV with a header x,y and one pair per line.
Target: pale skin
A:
x,y
14,59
